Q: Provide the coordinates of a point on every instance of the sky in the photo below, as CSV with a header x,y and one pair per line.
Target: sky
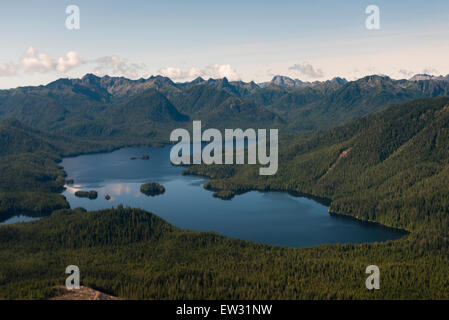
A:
x,y
241,40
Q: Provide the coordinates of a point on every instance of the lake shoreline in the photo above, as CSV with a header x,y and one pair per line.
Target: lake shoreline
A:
x,y
322,200
291,223
297,194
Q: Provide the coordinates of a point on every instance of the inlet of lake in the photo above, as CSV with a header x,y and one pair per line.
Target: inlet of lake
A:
x,y
274,218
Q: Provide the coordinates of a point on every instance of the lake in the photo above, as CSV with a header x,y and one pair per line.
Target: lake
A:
x,y
274,218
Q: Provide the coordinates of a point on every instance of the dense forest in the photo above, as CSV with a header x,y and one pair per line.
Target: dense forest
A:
x,y
390,165
152,189
123,111
31,177
134,254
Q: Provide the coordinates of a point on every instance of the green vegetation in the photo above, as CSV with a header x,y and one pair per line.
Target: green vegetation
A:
x,y
145,157
134,254
31,178
92,195
391,167
107,197
224,194
152,189
124,112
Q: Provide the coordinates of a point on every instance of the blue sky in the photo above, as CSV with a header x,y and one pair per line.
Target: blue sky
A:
x,y
247,40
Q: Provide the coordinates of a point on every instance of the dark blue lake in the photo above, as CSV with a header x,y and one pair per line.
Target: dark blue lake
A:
x,y
267,217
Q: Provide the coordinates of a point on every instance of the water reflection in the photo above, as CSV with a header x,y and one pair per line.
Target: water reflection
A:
x,y
18,219
273,218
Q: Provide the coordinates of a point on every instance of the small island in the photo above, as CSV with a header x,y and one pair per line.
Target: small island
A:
x,y
143,157
107,197
152,189
87,194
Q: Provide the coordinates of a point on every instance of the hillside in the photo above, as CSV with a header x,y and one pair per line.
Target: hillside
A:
x,y
132,254
388,167
31,178
95,107
362,97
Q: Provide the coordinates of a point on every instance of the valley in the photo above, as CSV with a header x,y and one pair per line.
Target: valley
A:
x,y
265,217
376,148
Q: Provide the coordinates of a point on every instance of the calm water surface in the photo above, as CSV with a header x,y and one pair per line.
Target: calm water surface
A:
x,y
267,217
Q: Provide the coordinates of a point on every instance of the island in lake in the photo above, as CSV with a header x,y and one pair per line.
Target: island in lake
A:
x,y
152,189
87,194
143,157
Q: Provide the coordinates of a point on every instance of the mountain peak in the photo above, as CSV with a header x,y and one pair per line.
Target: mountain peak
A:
x,y
285,81
220,80
375,79
90,76
424,76
161,79
198,80
421,76
338,80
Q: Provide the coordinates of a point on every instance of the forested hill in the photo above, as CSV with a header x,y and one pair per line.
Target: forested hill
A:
x,y
133,254
16,137
391,167
31,178
144,111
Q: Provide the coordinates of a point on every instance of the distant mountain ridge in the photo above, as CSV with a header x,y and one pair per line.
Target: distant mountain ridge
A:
x,y
425,77
146,110
381,167
284,81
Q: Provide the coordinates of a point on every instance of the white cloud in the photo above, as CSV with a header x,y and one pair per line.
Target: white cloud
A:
x,y
117,66
307,70
178,74
430,70
406,73
172,73
195,73
221,71
70,61
211,71
7,70
33,61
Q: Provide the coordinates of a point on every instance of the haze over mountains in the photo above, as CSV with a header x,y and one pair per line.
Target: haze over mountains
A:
x,y
103,108
284,81
418,77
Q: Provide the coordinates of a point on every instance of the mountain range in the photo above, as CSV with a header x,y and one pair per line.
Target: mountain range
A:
x,y
383,167
115,108
385,159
